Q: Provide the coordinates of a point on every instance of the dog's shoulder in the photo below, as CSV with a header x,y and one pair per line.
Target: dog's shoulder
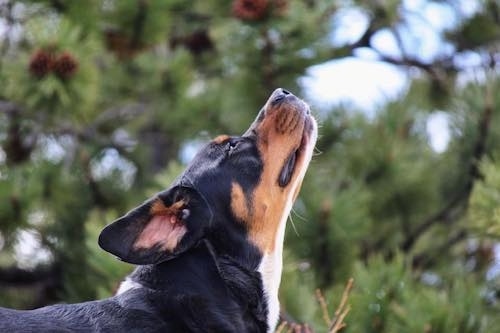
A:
x,y
200,292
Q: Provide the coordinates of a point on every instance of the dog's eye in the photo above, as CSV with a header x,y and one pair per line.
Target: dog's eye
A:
x,y
231,146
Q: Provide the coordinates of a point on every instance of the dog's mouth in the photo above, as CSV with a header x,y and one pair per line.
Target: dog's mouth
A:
x,y
288,169
290,165
284,134
287,123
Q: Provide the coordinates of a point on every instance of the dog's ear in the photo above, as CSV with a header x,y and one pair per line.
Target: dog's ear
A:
x,y
159,229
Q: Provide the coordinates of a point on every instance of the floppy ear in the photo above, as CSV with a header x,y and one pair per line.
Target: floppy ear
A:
x,y
159,229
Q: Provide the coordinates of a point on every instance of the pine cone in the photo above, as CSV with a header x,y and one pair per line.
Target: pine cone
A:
x,y
41,63
65,65
250,10
198,42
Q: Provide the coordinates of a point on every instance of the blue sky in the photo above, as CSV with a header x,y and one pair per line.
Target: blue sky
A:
x,y
366,83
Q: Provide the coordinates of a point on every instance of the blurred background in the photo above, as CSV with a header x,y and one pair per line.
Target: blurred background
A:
x,y
103,102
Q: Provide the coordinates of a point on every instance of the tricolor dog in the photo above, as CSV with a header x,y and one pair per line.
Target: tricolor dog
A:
x,y
209,248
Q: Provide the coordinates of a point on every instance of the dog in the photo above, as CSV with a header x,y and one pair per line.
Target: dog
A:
x,y
209,248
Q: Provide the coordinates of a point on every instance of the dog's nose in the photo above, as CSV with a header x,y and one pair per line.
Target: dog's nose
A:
x,y
279,94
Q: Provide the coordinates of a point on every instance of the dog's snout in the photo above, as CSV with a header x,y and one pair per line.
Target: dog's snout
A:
x,y
279,95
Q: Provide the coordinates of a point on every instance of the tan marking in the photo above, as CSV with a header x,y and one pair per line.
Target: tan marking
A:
x,y
239,202
164,229
221,138
279,134
158,207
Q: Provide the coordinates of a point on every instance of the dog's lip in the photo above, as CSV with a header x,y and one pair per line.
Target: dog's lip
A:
x,y
289,167
306,134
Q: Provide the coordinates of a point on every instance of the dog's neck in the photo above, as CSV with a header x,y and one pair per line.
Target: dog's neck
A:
x,y
244,284
229,247
270,269
268,265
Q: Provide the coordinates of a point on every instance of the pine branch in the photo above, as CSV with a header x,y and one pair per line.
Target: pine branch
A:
x,y
138,23
434,69
6,12
323,255
44,283
424,259
8,107
17,145
335,324
268,66
458,204
15,276
98,197
343,309
324,307
288,324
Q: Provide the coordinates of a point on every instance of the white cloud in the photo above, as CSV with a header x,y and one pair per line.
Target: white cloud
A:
x,y
364,84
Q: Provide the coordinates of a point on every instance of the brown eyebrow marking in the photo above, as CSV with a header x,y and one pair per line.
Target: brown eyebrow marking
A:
x,y
164,228
159,208
221,138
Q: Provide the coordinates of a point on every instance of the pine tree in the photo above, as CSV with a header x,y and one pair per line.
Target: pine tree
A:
x,y
99,100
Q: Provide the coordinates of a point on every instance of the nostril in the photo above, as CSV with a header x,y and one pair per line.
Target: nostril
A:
x,y
279,95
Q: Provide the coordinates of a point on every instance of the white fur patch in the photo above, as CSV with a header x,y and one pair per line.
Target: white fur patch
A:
x,y
271,265
270,269
126,285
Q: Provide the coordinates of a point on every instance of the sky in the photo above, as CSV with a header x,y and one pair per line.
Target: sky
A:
x,y
365,83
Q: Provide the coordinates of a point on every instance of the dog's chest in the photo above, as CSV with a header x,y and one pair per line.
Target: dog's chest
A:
x,y
270,269
127,285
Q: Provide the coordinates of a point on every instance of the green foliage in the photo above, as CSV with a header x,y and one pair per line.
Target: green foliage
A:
x,y
142,83
49,97
389,299
484,212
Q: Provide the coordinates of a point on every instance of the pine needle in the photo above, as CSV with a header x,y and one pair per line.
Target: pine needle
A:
x,y
342,310
324,307
281,327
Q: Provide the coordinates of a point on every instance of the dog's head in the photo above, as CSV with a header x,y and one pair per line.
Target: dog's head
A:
x,y
236,184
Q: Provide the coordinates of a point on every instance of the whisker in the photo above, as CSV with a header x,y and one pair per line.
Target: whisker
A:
x,y
293,226
317,151
299,216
